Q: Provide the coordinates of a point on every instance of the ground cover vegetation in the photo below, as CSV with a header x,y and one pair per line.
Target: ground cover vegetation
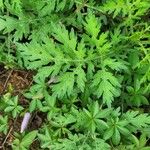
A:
x,y
77,71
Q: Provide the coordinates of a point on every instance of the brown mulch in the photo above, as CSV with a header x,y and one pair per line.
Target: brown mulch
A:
x,y
17,80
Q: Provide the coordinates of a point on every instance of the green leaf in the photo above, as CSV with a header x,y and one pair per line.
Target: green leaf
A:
x,y
45,138
106,86
64,86
124,130
87,113
2,24
95,109
8,109
141,120
92,26
81,78
34,55
101,123
116,137
39,104
3,124
103,113
33,105
69,119
134,59
68,40
115,65
142,140
108,133
28,139
135,140
116,7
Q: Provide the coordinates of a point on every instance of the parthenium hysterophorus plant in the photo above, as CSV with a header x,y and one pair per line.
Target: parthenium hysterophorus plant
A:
x,y
92,64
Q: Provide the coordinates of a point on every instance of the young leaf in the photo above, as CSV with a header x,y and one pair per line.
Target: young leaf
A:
x,y
92,26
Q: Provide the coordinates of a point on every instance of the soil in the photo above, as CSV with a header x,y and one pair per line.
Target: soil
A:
x,y
17,80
